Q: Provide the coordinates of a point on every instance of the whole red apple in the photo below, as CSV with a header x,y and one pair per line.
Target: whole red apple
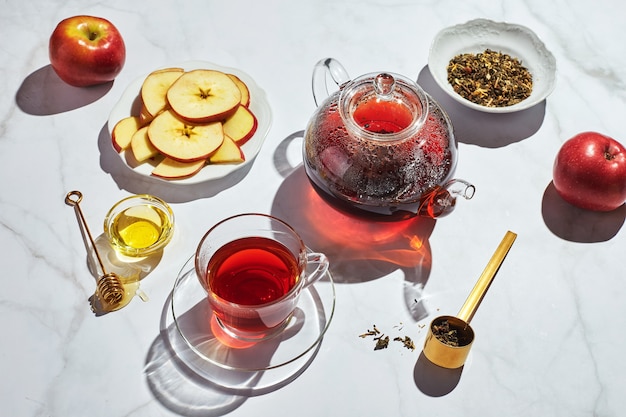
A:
x,y
86,50
590,172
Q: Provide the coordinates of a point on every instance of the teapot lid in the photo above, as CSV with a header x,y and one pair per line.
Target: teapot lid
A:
x,y
383,106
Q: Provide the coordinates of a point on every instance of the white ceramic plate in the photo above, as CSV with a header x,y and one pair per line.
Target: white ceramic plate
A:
x,y
129,105
477,35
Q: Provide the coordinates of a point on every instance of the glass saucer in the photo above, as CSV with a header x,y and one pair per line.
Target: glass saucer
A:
x,y
204,347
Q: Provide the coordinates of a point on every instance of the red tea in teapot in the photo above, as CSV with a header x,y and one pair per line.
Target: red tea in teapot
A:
x,y
382,116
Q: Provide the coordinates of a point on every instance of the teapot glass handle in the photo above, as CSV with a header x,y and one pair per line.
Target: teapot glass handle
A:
x,y
323,68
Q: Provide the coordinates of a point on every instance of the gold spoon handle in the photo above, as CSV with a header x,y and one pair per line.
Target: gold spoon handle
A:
x,y
482,285
73,198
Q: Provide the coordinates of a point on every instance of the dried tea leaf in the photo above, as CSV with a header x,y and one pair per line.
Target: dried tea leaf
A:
x,y
373,332
406,341
445,334
382,342
490,78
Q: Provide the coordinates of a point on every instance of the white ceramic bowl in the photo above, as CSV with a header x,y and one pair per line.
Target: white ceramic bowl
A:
x,y
478,35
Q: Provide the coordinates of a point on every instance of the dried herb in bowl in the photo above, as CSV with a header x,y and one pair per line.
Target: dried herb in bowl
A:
x,y
490,78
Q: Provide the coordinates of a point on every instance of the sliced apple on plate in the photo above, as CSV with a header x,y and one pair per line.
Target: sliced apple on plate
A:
x,y
186,119
241,125
204,95
154,90
141,146
171,169
123,132
243,89
229,152
183,141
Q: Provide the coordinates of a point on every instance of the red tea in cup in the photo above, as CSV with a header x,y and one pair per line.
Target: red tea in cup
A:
x,y
253,267
252,271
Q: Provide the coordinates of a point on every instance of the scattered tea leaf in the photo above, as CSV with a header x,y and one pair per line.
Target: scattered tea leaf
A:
x,y
373,332
382,342
406,341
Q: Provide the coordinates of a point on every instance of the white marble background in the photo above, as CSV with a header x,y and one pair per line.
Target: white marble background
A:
x,y
550,332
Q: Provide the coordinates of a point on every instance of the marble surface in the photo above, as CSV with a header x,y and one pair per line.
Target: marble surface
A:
x,y
549,333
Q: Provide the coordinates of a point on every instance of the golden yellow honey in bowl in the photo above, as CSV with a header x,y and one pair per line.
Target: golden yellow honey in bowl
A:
x,y
139,225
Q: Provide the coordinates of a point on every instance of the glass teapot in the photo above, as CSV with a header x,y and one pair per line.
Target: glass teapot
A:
x,y
380,145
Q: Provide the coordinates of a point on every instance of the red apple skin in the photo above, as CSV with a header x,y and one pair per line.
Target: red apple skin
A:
x,y
86,51
590,172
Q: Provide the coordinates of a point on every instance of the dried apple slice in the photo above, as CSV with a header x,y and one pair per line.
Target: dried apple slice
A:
x,y
123,132
154,89
243,89
229,152
171,169
141,146
203,95
184,141
241,125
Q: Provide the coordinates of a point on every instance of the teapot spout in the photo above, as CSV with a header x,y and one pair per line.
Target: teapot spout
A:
x,y
442,199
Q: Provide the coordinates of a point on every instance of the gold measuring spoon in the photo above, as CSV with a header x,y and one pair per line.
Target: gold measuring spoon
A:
x,y
450,338
109,288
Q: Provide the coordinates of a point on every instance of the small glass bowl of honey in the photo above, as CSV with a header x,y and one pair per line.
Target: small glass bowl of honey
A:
x,y
139,225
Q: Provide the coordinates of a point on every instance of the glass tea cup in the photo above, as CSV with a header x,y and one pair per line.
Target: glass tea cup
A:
x,y
254,268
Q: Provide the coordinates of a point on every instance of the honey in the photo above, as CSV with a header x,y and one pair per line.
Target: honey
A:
x,y
138,228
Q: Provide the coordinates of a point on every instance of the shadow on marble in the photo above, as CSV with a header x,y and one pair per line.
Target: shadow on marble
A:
x,y
577,225
171,192
359,249
179,389
43,93
470,125
188,385
433,380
